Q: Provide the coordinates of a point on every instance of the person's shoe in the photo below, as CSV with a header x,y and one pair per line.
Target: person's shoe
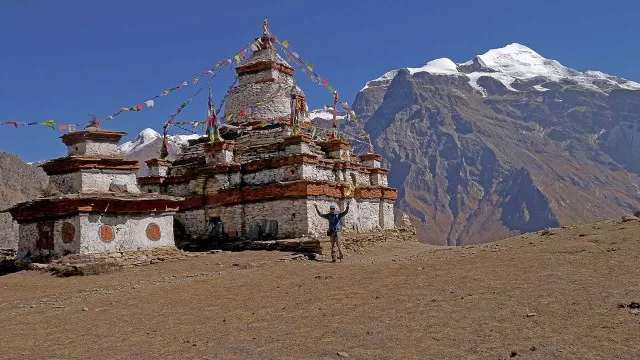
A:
x,y
334,260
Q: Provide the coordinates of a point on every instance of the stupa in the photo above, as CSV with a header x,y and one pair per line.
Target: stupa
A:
x,y
98,208
264,179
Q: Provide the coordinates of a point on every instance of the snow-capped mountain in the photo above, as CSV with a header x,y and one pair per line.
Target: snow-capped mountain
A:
x,y
505,143
511,64
146,145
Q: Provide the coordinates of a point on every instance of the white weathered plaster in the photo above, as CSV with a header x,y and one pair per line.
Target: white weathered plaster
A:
x,y
313,172
159,170
386,214
129,229
93,148
99,180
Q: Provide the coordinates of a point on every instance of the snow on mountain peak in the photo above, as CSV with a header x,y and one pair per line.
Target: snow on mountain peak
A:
x,y
521,62
383,80
511,62
442,66
150,138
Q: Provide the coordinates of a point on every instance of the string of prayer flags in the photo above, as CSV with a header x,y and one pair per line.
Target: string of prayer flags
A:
x,y
209,72
308,69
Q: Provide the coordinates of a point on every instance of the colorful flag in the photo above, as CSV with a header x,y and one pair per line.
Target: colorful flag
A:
x,y
212,124
139,107
285,43
150,103
50,123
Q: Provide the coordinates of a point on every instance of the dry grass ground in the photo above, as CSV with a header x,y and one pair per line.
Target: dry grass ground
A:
x,y
531,297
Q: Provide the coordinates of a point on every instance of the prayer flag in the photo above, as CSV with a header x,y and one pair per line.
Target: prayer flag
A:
x,y
124,109
195,80
50,123
325,83
285,43
109,117
139,107
150,103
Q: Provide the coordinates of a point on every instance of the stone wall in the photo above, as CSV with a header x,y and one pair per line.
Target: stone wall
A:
x,y
93,148
289,213
9,238
99,180
194,222
245,96
231,217
93,180
28,237
66,183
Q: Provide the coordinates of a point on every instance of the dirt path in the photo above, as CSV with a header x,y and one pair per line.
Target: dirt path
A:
x,y
553,296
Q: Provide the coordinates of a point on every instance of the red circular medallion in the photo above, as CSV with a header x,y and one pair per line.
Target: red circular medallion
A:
x,y
153,232
106,233
68,232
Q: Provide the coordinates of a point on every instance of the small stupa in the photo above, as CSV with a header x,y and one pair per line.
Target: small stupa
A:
x,y
99,207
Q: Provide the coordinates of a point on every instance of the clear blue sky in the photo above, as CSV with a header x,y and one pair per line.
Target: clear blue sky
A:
x,y
65,59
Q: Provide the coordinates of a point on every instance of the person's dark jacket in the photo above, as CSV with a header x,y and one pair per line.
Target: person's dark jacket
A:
x,y
335,224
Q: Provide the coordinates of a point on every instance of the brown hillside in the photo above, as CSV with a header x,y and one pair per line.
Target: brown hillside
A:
x,y
551,296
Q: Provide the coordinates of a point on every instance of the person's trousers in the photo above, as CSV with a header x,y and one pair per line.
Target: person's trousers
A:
x,y
335,242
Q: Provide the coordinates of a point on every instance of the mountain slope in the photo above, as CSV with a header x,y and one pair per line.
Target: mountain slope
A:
x,y
508,142
146,145
18,182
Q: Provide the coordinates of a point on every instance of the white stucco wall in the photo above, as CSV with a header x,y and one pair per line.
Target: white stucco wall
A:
x,y
368,214
386,214
129,229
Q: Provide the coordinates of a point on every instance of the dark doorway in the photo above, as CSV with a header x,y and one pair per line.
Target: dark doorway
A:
x,y
215,229
45,236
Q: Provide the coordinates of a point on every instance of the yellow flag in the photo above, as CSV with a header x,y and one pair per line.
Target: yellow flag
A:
x,y
285,43
49,123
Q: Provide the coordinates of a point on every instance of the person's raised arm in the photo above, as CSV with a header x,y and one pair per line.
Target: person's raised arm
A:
x,y
342,214
318,211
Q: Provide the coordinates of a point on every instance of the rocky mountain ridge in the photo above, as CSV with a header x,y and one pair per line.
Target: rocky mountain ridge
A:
x,y
505,143
18,182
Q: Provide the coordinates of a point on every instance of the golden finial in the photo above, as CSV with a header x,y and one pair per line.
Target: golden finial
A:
x,y
264,26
